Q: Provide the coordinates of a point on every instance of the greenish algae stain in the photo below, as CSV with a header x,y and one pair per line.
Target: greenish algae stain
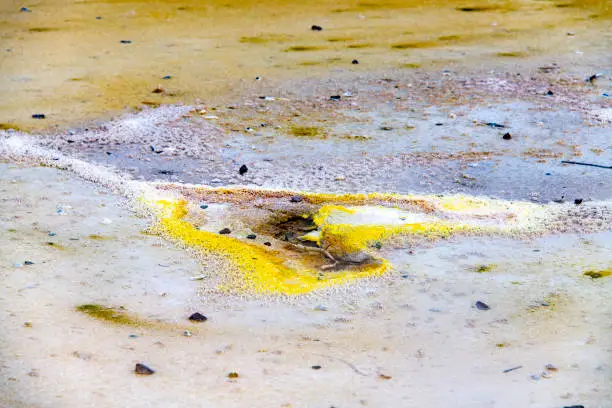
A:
x,y
596,274
484,268
306,131
302,48
110,315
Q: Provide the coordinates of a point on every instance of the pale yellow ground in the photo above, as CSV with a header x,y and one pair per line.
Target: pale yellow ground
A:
x,y
61,61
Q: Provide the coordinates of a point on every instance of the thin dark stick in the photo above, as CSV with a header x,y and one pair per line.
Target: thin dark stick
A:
x,y
512,369
586,164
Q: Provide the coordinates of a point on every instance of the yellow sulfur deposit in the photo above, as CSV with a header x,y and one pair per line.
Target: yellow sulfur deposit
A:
x,y
262,270
349,234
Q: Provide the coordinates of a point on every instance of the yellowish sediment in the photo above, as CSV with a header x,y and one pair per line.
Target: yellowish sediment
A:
x,y
262,270
54,60
344,231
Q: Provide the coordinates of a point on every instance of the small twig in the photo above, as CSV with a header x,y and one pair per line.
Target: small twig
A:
x,y
507,370
328,266
316,249
586,164
348,363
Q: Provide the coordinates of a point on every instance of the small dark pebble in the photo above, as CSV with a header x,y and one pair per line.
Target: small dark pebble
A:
x,y
267,244
439,124
548,174
316,28
28,263
25,10
126,41
507,136
482,306
143,369
258,78
593,77
198,317
335,97
38,116
296,199
203,206
251,236
495,125
52,234
166,172
98,18
243,169
225,231
167,77
578,201
355,62
132,336
316,367
109,153
386,128
549,93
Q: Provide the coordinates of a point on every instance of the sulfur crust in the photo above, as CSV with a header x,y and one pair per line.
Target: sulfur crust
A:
x,y
263,270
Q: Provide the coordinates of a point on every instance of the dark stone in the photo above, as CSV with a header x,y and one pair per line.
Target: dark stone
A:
x,y
203,206
386,128
549,93
166,172
28,263
98,18
25,10
167,77
354,62
142,369
507,136
296,199
578,201
439,124
495,125
198,317
38,116
109,153
126,41
243,169
251,236
482,305
225,231
267,244
335,97
316,367
316,28
592,77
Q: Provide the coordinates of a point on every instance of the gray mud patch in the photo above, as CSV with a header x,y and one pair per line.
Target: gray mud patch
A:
x,y
404,133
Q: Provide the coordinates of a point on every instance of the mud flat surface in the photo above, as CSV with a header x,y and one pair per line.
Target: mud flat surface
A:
x,y
373,213
411,337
